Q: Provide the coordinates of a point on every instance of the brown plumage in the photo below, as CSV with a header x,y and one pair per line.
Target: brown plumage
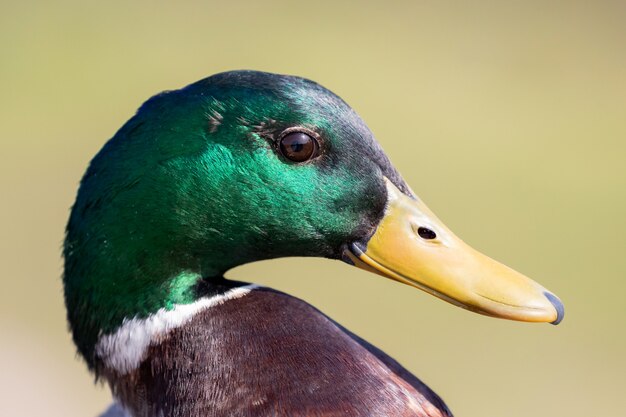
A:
x,y
270,354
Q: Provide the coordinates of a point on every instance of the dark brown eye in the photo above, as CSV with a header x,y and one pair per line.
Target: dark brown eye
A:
x,y
298,146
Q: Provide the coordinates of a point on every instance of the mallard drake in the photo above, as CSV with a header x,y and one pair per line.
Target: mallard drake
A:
x,y
235,168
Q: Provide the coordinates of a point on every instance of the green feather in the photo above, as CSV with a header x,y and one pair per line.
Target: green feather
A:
x,y
193,185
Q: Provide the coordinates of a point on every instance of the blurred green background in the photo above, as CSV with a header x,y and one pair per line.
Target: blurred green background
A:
x,y
507,118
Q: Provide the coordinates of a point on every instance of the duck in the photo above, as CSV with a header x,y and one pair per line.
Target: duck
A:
x,y
239,167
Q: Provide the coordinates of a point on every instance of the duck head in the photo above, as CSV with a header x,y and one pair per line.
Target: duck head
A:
x,y
244,166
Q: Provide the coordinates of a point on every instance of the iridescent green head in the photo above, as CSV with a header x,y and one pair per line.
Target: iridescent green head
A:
x,y
239,167
196,183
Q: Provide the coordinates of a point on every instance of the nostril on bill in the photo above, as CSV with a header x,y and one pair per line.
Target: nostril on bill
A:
x,y
426,233
558,305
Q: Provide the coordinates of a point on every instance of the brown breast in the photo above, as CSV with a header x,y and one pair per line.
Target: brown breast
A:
x,y
270,354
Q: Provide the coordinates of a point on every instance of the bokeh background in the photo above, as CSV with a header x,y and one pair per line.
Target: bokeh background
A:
x,y
507,118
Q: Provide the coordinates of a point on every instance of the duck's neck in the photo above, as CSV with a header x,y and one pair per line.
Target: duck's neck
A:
x,y
105,297
123,350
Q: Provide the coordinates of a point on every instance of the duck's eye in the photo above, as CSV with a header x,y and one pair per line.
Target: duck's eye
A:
x,y
298,146
426,233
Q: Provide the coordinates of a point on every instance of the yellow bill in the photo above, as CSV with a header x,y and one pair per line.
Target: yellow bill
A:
x,y
413,246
